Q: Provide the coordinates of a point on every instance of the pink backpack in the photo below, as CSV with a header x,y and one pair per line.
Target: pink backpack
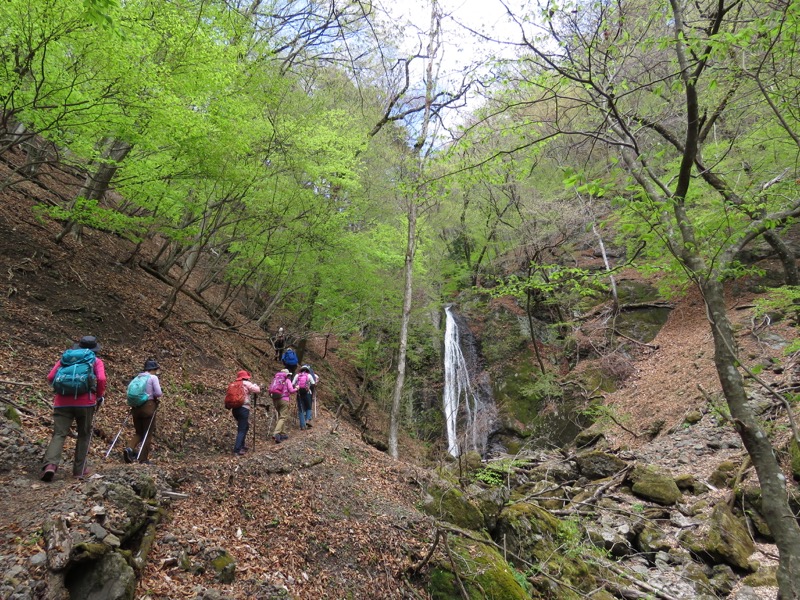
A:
x,y
278,385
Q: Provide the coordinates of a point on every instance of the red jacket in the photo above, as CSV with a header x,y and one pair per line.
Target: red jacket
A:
x,y
88,399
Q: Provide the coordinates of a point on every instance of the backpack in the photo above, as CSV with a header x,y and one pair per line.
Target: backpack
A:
x,y
76,375
304,381
136,394
235,396
277,386
289,358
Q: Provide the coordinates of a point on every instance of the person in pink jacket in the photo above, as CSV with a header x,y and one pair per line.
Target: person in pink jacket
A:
x,y
282,407
242,413
78,407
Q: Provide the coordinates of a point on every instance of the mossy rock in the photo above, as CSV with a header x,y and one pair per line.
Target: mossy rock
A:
x,y
529,531
12,414
685,482
450,504
108,578
693,417
598,465
651,540
589,437
482,571
725,540
651,484
223,566
764,577
724,474
132,513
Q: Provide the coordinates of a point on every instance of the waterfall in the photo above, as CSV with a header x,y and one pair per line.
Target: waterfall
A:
x,y
462,398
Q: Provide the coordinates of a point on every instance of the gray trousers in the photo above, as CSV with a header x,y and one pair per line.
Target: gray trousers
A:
x,y
63,416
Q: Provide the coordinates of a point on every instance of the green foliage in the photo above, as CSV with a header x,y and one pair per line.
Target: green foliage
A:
x,y
781,300
496,472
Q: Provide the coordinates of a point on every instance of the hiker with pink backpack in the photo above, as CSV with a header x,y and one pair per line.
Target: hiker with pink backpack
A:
x,y
280,391
303,382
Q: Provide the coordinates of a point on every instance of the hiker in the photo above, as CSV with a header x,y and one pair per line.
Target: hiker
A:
x,y
302,383
79,382
280,390
289,360
144,414
238,400
279,343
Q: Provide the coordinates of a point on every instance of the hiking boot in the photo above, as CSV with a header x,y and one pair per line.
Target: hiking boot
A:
x,y
86,473
241,452
145,462
308,425
284,436
128,456
49,472
278,439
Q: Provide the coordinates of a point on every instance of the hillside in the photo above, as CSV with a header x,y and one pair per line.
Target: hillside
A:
x,y
321,513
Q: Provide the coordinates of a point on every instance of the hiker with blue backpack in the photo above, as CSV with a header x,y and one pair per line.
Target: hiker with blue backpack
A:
x,y
280,391
143,396
79,382
289,360
303,382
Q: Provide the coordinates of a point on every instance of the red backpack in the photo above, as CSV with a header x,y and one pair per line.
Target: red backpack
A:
x,y
236,394
276,388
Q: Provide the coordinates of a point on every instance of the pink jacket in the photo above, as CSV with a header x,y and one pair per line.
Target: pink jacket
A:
x,y
88,399
287,390
250,389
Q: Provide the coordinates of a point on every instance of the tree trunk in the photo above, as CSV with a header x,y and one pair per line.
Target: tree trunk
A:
x,y
408,271
786,256
96,183
774,500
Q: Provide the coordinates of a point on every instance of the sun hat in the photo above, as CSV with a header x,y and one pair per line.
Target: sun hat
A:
x,y
150,365
242,374
89,342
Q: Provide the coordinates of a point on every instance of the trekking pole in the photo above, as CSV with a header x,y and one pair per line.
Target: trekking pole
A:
x,y
255,416
146,433
88,443
116,437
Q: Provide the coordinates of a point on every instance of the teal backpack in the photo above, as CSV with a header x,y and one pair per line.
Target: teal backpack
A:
x,y
136,394
75,376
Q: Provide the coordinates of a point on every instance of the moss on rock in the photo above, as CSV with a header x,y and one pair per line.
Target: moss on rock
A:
x,y
651,484
481,570
450,504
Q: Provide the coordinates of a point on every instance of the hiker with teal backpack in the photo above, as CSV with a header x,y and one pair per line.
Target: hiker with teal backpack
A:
x,y
79,382
143,395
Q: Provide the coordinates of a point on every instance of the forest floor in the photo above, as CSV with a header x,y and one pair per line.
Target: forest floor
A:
x,y
319,514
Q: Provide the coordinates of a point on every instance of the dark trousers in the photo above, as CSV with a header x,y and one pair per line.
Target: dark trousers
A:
x,y
242,416
303,406
143,416
63,416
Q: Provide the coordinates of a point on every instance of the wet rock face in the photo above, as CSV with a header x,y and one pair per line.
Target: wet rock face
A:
x,y
110,579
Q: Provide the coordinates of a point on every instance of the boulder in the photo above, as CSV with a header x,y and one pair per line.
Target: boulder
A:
x,y
723,475
221,565
482,572
598,465
109,578
724,540
651,484
528,530
588,437
490,501
449,503
557,471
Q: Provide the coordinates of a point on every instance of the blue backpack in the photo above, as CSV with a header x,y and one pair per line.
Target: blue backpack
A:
x,y
289,358
136,394
75,376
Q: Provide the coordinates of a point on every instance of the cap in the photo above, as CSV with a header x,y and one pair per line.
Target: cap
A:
x,y
150,365
242,374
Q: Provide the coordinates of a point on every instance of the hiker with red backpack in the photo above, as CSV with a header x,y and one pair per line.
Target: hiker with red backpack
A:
x,y
237,399
303,382
79,382
143,395
280,390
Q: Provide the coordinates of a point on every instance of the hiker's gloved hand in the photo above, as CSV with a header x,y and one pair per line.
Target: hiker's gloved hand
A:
x,y
100,401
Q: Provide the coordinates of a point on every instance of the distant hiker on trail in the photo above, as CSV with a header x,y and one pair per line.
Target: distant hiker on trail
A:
x,y
79,382
289,360
144,394
279,343
302,383
280,390
237,399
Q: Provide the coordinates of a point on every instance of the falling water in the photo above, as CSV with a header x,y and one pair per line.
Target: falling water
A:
x,y
461,396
